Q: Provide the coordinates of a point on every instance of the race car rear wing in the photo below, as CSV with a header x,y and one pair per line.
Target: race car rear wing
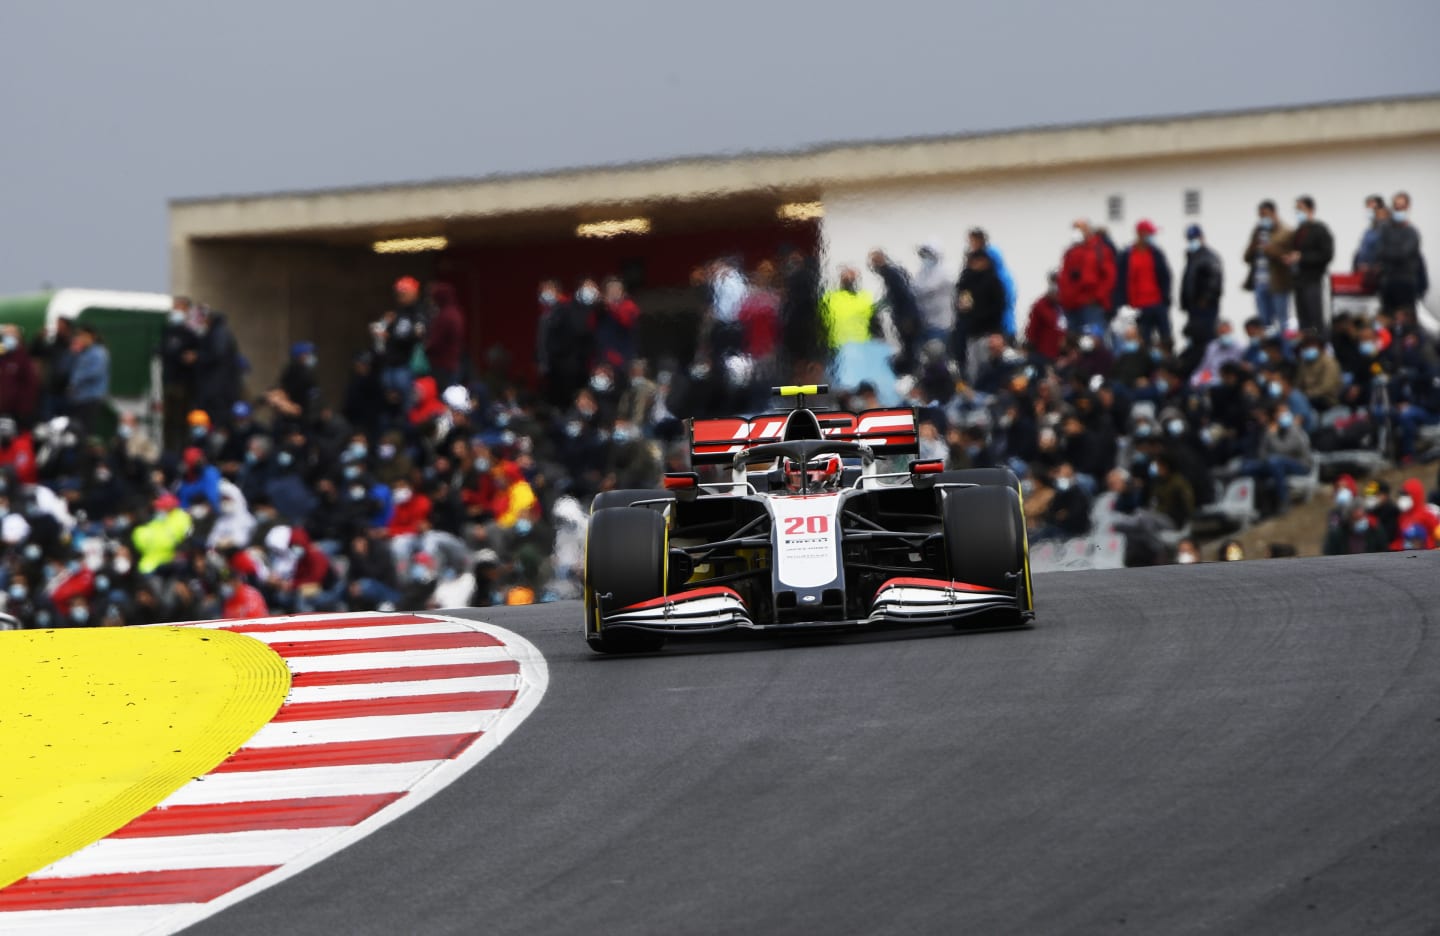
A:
x,y
887,431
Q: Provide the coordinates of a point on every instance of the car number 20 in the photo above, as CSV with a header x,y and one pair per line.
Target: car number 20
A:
x,y
799,526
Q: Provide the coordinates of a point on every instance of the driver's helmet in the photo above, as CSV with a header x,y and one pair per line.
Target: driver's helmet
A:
x,y
823,471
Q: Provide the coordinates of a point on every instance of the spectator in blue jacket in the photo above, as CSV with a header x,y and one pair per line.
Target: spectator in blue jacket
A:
x,y
199,481
89,385
980,241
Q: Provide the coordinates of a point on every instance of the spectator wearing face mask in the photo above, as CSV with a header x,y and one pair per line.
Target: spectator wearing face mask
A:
x,y
217,363
615,320
241,600
1171,495
1350,528
1224,349
199,481
1317,374
1269,277
1376,214
19,378
297,395
412,510
1087,278
1284,452
1311,249
1143,283
1045,329
1401,269
1418,525
89,386
1201,286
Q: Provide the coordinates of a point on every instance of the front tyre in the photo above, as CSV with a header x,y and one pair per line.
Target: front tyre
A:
x,y
625,556
985,544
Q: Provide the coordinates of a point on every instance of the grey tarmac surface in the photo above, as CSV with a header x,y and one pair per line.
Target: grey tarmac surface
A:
x,y
1247,747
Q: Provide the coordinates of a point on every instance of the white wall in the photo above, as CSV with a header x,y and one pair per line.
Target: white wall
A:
x,y
1028,215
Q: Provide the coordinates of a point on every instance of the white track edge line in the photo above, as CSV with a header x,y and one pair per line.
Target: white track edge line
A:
x,y
537,680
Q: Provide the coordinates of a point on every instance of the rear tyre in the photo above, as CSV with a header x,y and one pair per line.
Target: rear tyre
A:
x,y
624,564
984,530
626,497
986,477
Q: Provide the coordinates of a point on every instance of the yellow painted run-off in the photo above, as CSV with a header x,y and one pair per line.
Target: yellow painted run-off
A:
x,y
97,726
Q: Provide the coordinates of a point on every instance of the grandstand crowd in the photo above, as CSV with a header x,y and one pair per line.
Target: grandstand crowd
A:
x,y
1128,402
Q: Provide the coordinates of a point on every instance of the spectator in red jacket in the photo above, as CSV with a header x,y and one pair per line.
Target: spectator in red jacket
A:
x,y
445,340
19,380
428,406
1087,279
1419,526
1045,331
242,601
1143,283
17,451
412,510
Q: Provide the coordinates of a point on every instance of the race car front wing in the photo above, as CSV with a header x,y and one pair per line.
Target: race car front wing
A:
x,y
897,601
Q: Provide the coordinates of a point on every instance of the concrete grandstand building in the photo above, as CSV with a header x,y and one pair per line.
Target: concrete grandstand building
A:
x,y
318,265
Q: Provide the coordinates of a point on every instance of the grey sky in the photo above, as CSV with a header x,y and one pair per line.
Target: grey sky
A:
x,y
108,109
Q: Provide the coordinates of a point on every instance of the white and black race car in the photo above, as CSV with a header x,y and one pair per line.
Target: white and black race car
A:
x,y
812,531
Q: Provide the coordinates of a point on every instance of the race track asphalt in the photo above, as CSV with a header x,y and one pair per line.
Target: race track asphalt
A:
x,y
1246,747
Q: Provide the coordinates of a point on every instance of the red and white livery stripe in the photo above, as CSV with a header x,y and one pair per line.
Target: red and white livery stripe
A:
x,y
384,711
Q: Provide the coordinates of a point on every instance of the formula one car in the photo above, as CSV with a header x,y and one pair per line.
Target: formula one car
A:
x,y
819,526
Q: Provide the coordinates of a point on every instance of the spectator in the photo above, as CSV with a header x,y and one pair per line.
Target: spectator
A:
x,y
1351,530
1419,526
800,310
1143,283
1284,451
445,338
1087,278
728,290
157,540
900,300
54,351
402,330
1376,214
1045,330
1224,349
935,296
199,481
1311,249
1201,286
979,240
614,326
298,393
89,388
1171,495
980,297
1317,374
1269,276
178,352
1397,261
760,319
846,311
19,379
217,365
17,452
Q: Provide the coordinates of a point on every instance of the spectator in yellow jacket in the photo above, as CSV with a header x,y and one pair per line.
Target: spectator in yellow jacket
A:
x,y
157,540
846,312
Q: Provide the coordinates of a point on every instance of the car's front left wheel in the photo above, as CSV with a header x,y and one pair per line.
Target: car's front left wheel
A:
x,y
624,564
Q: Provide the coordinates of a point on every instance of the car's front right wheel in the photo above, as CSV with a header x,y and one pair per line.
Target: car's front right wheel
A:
x,y
984,531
